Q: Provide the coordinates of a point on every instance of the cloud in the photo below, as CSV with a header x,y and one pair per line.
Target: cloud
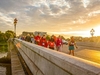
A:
x,y
50,15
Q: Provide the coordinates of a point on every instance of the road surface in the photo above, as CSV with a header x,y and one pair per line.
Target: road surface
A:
x,y
85,52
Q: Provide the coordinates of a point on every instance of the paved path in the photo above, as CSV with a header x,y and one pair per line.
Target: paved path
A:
x,y
16,66
88,53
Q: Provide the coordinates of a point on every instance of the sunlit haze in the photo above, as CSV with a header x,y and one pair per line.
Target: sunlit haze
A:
x,y
64,17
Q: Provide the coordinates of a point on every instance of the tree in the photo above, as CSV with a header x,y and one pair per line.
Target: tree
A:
x,y
48,37
1,37
9,34
63,37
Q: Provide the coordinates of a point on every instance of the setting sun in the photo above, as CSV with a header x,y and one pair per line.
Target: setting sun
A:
x,y
97,31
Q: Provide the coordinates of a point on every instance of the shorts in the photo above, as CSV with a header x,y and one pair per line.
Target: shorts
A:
x,y
71,47
51,48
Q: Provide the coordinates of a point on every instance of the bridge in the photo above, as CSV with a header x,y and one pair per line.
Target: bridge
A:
x,y
31,59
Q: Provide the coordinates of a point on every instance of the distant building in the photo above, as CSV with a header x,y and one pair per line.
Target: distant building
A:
x,y
25,33
34,33
41,33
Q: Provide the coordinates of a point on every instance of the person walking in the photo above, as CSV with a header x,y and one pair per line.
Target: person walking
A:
x,y
32,39
59,43
51,43
28,38
43,41
71,45
37,39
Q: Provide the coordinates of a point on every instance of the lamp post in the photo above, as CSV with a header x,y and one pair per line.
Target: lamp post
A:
x,y
92,32
15,22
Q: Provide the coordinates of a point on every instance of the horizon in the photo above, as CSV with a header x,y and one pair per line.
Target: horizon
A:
x,y
65,34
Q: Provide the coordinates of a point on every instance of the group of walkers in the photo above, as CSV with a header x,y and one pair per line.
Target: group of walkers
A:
x,y
53,42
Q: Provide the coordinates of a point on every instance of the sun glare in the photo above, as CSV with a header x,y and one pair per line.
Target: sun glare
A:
x,y
97,31
74,33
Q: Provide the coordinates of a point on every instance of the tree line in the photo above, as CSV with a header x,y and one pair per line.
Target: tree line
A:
x,y
4,36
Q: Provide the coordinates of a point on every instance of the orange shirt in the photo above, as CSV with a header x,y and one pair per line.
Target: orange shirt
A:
x,y
51,44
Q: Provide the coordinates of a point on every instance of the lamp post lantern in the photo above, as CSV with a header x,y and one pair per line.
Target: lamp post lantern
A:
x,y
15,22
92,32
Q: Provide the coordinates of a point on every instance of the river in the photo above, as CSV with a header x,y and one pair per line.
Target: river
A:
x,y
5,68
2,70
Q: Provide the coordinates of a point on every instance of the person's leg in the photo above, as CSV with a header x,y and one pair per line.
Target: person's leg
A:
x,y
72,51
60,48
57,48
51,48
69,52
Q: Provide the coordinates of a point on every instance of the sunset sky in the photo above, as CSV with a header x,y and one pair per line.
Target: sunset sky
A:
x,y
66,17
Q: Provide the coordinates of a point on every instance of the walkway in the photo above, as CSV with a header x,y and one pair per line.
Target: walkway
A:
x,y
17,69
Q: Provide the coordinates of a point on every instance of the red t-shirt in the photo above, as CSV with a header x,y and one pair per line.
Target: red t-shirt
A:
x,y
37,39
43,42
58,42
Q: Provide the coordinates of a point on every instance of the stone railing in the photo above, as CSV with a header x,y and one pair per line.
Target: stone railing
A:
x,y
89,44
44,61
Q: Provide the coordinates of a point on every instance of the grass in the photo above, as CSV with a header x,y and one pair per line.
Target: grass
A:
x,y
3,47
3,43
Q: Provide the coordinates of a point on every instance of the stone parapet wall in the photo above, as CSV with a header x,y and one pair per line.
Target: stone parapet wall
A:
x,y
44,61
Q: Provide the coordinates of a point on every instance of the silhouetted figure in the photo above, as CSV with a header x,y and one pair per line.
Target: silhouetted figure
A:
x,y
28,38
